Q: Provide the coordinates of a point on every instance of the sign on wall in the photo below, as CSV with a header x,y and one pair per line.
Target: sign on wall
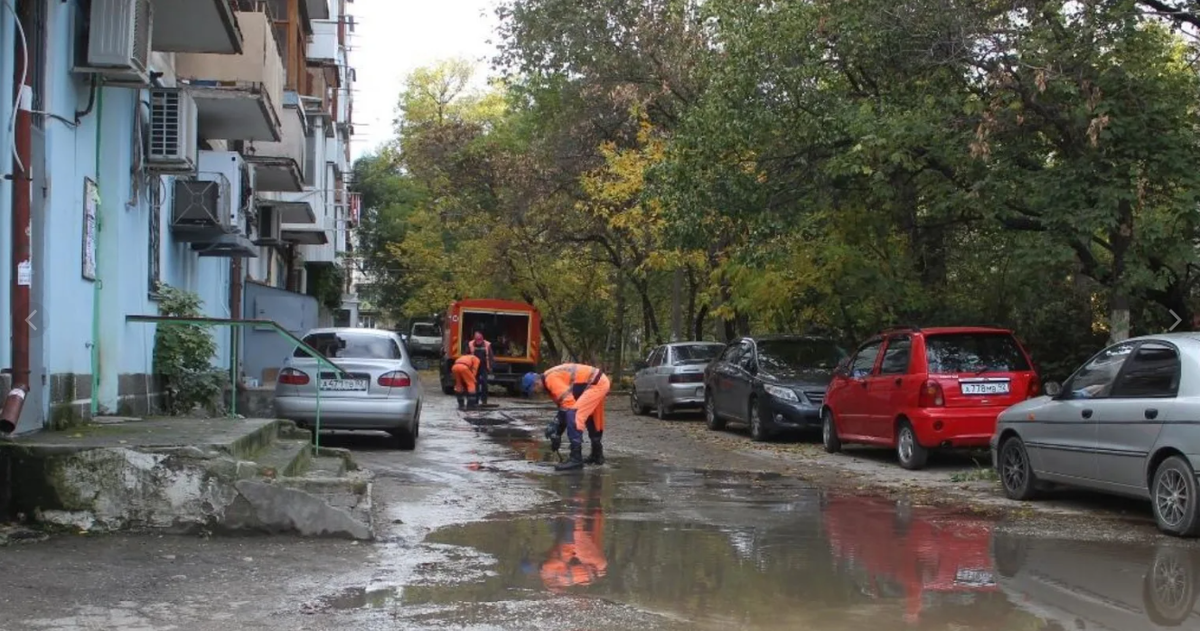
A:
x,y
91,202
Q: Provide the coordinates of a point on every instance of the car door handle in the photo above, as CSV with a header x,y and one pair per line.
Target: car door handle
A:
x,y
864,384
899,381
1087,414
1151,414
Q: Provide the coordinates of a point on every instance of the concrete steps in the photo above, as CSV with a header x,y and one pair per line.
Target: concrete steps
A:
x,y
188,475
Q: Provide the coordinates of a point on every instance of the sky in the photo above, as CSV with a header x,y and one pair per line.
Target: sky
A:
x,y
393,38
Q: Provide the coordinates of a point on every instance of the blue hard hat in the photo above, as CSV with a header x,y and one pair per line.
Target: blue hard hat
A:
x,y
528,381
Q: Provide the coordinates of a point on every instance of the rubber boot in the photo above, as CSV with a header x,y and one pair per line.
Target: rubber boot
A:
x,y
597,455
461,403
471,405
574,462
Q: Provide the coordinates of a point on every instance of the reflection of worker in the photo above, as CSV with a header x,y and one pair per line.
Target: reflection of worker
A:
x,y
465,370
481,348
579,392
577,557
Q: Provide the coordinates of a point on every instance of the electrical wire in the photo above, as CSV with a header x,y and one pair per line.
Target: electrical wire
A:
x,y
12,121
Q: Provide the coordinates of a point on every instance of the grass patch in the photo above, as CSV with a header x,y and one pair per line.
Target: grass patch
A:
x,y
978,474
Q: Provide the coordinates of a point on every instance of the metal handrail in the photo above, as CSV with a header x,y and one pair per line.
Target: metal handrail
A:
x,y
234,363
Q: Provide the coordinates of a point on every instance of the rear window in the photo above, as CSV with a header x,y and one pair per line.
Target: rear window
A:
x,y
793,354
974,352
425,330
697,353
349,344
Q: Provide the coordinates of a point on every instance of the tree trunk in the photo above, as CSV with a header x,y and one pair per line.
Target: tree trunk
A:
x,y
1120,238
677,305
698,323
692,289
618,356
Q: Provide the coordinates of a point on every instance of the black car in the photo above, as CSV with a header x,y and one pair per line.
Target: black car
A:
x,y
772,384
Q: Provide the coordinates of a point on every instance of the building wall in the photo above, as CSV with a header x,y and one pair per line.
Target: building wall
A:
x,y
103,147
264,349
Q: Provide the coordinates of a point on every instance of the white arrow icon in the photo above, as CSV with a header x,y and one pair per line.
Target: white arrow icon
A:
x,y
27,320
1177,320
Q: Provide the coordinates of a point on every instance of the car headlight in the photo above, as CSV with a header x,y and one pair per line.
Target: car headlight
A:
x,y
782,393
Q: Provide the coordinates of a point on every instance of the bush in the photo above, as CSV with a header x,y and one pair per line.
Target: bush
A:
x,y
183,356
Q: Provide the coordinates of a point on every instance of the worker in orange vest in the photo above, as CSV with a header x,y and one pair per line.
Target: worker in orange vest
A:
x,y
579,391
481,348
577,558
464,370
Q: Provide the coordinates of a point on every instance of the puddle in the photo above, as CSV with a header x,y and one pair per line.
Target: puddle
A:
x,y
353,598
697,549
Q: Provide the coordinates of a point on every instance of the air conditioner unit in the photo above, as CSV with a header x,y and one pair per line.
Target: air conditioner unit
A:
x,y
230,167
270,226
200,209
173,135
118,41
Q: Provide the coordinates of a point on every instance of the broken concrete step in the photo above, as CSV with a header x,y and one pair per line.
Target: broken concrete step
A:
x,y
326,467
284,458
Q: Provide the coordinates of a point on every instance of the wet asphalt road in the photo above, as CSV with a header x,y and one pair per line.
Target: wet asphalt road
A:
x,y
477,532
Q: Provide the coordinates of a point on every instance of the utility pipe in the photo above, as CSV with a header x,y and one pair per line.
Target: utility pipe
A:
x,y
22,267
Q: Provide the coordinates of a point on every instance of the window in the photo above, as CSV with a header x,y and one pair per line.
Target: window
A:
x,y
425,329
733,354
954,353
696,353
154,272
747,359
656,358
864,360
1096,377
1152,371
895,359
351,344
793,354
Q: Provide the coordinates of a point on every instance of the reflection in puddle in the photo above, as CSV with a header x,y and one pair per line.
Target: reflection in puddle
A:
x,y
354,598
721,549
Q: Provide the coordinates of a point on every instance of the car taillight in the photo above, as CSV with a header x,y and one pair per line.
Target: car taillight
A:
x,y
686,377
395,379
1034,388
931,395
292,377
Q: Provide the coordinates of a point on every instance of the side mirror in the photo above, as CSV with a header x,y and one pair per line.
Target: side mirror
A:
x,y
843,368
1052,388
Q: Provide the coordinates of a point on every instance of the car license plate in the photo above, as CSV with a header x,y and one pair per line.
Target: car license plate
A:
x,y
344,385
987,387
974,577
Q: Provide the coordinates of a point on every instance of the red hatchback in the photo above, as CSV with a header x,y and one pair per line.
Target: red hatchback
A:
x,y
915,389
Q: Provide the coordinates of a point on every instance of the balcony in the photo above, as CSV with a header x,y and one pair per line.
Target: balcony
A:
x,y
239,97
196,26
317,9
323,47
277,164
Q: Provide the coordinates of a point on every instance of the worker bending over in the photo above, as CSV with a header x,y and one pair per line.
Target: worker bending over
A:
x,y
579,391
465,369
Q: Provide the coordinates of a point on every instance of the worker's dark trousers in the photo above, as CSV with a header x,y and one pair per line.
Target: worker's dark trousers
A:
x,y
481,386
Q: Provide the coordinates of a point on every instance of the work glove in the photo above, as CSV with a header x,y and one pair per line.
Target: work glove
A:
x,y
553,436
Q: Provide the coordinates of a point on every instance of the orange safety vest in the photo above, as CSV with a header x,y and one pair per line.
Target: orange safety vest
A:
x,y
561,382
470,361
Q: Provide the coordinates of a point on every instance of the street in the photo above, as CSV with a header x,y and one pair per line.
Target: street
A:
x,y
478,532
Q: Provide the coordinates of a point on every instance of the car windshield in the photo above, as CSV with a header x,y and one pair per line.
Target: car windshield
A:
x,y
697,353
425,330
799,354
350,344
953,353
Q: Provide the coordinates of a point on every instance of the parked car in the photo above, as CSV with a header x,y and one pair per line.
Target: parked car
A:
x,y
672,378
381,392
771,384
425,339
1127,422
915,390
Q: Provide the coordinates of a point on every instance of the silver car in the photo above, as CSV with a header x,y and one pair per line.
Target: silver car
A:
x,y
672,378
1127,423
383,391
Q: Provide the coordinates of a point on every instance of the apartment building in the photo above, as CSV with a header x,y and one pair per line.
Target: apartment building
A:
x,y
201,144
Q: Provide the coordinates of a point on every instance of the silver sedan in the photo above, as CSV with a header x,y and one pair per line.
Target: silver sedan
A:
x,y
381,392
672,378
1127,423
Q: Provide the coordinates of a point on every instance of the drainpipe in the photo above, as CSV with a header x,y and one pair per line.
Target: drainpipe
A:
x,y
22,270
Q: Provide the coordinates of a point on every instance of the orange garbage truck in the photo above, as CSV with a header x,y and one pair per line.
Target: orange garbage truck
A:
x,y
513,329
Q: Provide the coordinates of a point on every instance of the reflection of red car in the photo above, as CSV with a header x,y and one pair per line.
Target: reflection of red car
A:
x,y
920,551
